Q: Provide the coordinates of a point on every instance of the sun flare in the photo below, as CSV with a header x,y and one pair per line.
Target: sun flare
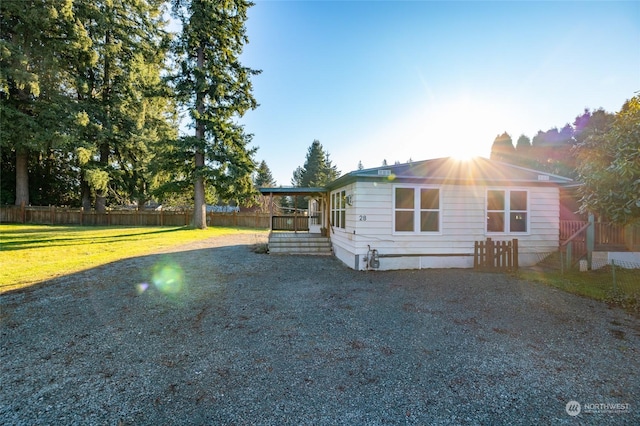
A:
x,y
465,128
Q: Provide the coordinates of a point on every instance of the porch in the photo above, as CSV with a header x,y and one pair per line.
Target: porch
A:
x,y
299,231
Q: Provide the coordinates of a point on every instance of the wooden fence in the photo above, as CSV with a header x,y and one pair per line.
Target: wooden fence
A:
x,y
496,255
66,216
607,236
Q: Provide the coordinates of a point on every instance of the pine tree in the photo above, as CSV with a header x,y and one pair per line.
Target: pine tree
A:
x,y
216,89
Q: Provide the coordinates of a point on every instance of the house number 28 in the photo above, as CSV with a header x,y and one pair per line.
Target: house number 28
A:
x,y
362,218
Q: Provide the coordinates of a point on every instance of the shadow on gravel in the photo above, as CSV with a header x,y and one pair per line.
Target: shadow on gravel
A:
x,y
227,336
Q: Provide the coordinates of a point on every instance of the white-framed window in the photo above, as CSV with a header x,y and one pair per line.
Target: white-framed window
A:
x,y
338,209
416,209
507,211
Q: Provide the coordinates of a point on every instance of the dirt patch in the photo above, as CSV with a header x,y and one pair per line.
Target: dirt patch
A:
x,y
214,333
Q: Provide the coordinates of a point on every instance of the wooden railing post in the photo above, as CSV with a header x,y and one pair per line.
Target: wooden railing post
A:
x,y
591,240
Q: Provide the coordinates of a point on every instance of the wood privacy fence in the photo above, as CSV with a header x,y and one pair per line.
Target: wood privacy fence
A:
x,y
496,255
66,216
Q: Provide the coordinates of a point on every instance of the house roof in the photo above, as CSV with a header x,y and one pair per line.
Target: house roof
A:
x,y
475,171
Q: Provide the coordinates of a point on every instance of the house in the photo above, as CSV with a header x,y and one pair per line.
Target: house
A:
x,y
428,214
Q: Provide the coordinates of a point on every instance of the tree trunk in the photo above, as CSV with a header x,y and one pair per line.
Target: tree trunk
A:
x,y
22,177
101,194
199,212
85,194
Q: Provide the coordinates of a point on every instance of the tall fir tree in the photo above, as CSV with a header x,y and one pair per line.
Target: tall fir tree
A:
x,y
216,89
38,41
317,171
120,96
264,177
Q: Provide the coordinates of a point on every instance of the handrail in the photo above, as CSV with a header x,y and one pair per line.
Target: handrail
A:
x,y
575,234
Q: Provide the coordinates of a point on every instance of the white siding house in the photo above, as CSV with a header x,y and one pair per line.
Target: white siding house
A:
x,y
428,214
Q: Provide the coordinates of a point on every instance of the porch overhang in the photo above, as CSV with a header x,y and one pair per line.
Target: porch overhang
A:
x,y
284,191
319,221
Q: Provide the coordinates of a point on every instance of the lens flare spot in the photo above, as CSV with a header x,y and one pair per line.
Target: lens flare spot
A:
x,y
142,287
168,278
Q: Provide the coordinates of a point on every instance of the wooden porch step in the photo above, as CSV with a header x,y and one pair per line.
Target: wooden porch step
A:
x,y
299,244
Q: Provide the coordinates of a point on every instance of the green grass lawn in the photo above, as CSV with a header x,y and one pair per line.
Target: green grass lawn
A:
x,y
598,284
35,253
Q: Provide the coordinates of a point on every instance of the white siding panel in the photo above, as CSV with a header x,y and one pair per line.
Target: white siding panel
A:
x,y
462,223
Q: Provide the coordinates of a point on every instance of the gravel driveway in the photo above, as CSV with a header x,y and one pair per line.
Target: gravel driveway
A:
x,y
214,333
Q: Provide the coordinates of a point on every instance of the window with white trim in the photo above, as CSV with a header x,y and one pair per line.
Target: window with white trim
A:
x,y
416,209
338,209
507,211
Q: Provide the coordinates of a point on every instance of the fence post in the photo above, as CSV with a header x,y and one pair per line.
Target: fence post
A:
x,y
569,254
23,213
516,260
613,272
52,214
475,255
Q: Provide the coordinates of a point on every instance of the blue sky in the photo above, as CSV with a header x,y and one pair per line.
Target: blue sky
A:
x,y
390,80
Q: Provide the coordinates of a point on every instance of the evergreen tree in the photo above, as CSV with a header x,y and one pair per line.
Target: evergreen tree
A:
x,y
38,41
502,148
317,171
523,145
216,89
117,87
264,177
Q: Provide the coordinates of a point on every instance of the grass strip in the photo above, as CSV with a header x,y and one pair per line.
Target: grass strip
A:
x,y
35,253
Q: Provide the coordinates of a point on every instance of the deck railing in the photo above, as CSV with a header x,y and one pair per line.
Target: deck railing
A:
x,y
290,223
574,247
607,236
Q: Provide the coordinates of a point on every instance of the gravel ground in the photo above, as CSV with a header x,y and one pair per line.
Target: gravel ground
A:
x,y
214,333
